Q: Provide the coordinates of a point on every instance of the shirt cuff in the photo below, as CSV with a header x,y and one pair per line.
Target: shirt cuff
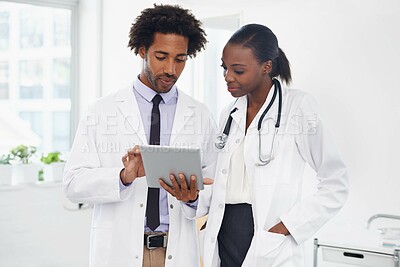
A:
x,y
193,204
122,186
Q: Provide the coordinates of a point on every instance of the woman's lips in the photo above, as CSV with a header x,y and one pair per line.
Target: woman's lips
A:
x,y
233,89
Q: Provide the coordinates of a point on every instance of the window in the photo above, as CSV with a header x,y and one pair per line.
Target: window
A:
x,y
4,73
30,80
36,80
200,73
61,77
35,121
4,30
31,26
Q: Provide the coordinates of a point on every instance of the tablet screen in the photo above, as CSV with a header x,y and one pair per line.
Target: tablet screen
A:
x,y
161,161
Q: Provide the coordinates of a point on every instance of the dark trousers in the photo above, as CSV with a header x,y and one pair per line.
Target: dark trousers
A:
x,y
235,234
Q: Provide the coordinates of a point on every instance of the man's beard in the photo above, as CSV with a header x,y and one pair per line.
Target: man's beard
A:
x,y
154,80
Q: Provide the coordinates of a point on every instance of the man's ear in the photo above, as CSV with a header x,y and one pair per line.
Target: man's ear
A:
x,y
142,52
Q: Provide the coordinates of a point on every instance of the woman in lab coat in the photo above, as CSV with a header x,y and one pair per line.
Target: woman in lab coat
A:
x,y
257,215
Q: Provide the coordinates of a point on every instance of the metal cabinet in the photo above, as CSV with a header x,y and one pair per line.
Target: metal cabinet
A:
x,y
353,256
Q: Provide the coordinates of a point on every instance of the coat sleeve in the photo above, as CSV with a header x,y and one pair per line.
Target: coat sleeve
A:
x,y
85,180
209,159
316,147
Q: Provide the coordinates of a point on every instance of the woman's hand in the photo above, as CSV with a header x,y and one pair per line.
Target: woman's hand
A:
x,y
279,228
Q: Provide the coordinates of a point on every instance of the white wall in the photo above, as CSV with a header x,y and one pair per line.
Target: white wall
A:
x,y
344,52
40,227
89,46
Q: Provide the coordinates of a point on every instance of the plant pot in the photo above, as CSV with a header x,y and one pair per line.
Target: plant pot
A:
x,y
53,172
6,174
26,173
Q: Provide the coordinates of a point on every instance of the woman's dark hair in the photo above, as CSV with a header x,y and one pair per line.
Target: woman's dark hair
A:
x,y
166,19
264,44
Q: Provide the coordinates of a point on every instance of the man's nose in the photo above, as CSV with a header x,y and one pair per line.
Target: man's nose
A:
x,y
170,67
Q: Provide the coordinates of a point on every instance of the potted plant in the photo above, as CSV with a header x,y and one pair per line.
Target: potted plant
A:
x,y
24,170
53,168
5,169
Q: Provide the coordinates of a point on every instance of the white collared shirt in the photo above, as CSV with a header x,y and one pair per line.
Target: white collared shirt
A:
x,y
237,186
167,107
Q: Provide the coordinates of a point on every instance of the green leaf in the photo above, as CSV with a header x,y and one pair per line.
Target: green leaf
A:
x,y
23,152
51,157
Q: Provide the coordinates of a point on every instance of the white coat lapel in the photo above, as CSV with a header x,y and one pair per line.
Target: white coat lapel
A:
x,y
183,113
239,116
128,106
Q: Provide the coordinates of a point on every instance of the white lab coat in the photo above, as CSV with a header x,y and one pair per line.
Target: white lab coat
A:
x,y
276,188
91,175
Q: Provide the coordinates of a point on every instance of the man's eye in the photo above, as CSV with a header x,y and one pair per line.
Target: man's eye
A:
x,y
239,71
180,60
160,58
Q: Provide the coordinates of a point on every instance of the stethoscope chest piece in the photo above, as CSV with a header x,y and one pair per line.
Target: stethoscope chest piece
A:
x,y
220,141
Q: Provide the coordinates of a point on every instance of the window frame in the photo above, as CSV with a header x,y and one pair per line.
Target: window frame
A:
x,y
73,6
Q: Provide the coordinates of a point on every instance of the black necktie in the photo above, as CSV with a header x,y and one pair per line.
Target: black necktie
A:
x,y
153,195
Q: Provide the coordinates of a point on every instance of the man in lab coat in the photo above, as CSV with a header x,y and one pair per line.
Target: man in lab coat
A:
x,y
121,233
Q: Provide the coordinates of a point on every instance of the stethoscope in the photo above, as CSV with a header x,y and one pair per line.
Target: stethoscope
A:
x,y
221,140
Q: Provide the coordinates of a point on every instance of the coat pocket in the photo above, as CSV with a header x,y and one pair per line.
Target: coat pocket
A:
x,y
271,249
269,244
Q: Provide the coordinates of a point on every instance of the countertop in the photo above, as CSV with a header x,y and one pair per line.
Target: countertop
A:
x,y
356,236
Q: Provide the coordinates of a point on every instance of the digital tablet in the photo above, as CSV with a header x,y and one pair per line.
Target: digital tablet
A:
x,y
161,161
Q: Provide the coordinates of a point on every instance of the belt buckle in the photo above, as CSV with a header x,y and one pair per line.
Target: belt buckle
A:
x,y
148,241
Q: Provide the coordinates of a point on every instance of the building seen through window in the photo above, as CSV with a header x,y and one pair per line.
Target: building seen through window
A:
x,y
35,77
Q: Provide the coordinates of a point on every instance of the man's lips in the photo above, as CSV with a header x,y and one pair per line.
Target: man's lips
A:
x,y
167,81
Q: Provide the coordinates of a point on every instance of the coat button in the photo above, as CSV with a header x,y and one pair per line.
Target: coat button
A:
x,y
141,205
136,257
224,171
213,240
169,257
238,140
221,206
171,206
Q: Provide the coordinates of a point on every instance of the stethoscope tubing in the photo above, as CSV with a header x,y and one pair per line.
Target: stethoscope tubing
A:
x,y
221,140
278,90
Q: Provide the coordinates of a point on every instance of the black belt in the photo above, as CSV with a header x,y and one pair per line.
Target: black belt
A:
x,y
155,241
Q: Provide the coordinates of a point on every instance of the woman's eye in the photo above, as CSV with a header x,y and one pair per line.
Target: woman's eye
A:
x,y
239,72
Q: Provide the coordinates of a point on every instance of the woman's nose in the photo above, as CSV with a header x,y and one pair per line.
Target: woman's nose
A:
x,y
228,77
